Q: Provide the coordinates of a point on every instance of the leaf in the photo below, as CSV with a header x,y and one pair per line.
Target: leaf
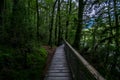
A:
x,y
44,7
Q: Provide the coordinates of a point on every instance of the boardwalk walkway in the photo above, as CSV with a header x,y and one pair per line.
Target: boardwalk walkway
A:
x,y
59,69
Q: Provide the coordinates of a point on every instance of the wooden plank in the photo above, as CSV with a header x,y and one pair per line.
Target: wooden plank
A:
x,y
65,68
59,69
55,65
58,78
60,74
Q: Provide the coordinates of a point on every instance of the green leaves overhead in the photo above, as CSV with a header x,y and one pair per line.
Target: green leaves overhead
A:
x,y
49,1
43,6
46,3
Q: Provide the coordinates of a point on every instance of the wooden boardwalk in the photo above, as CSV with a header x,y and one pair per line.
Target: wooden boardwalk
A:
x,y
59,69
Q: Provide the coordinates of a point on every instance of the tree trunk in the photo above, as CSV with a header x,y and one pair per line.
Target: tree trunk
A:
x,y
2,31
59,23
51,24
76,43
37,14
1,12
68,12
14,25
56,29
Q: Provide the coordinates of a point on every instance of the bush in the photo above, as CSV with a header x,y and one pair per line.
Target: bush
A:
x,y
12,61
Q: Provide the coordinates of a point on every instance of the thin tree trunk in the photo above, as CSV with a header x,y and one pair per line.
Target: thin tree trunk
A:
x,y
56,29
59,24
51,24
2,31
67,20
1,12
37,14
68,17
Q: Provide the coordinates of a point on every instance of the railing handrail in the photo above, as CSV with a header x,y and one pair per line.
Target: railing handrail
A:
x,y
91,69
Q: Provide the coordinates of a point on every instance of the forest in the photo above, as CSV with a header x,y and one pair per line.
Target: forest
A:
x,y
92,27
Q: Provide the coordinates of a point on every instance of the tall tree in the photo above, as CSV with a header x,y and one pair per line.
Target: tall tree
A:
x,y
14,23
59,23
51,24
76,42
56,29
2,2
1,12
68,12
37,13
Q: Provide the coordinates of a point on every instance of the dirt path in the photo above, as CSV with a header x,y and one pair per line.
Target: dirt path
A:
x,y
51,52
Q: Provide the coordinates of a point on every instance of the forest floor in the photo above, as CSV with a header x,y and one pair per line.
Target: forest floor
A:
x,y
51,52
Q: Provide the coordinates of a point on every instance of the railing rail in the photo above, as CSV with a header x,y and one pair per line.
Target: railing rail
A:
x,y
80,68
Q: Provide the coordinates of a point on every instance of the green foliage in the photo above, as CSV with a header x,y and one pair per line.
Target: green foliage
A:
x,y
11,64
21,56
43,51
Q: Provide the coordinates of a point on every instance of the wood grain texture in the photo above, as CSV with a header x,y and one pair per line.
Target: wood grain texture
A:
x,y
59,69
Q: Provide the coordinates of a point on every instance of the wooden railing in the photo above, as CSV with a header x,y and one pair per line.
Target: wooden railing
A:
x,y
80,68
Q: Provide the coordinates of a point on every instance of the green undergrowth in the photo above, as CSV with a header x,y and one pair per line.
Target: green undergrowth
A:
x,y
14,65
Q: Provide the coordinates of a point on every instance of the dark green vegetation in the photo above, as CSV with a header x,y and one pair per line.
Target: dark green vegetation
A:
x,y
26,25
21,54
15,65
